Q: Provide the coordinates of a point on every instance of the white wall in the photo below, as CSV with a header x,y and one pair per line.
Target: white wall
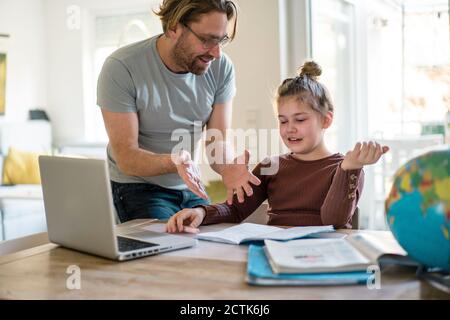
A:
x,y
65,99
50,63
26,86
255,53
69,56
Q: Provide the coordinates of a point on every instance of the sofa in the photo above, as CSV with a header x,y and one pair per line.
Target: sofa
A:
x,y
21,204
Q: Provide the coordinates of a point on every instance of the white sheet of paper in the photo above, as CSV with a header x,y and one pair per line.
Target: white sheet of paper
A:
x,y
255,232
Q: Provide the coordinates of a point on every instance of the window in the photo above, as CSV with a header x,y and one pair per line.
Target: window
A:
x,y
112,32
387,66
408,81
426,63
333,48
409,61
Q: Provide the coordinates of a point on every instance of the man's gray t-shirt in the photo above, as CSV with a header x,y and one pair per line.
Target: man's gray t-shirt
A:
x,y
170,106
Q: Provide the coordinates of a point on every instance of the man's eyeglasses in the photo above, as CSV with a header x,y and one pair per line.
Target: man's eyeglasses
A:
x,y
209,43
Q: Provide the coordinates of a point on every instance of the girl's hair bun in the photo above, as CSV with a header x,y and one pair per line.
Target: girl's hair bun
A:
x,y
311,70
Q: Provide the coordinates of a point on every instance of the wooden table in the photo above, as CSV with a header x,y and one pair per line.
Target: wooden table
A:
x,y
207,271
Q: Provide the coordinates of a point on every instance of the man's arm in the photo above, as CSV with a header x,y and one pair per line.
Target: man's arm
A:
x,y
234,171
219,122
123,129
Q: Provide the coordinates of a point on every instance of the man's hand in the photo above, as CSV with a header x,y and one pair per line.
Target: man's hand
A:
x,y
237,178
189,172
186,220
363,154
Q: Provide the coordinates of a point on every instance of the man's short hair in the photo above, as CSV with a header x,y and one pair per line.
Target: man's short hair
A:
x,y
172,12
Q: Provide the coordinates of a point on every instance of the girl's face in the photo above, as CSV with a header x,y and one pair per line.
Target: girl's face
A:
x,y
301,128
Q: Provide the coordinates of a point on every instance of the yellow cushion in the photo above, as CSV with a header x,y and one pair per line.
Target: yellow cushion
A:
x,y
21,167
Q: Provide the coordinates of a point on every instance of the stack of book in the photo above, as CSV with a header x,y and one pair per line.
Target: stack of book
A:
x,y
350,260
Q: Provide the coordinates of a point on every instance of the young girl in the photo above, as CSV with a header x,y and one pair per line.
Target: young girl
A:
x,y
312,187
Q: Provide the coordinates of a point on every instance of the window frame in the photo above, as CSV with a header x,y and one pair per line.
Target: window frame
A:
x,y
91,122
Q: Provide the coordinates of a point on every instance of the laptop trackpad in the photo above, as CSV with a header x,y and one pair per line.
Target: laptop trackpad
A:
x,y
145,235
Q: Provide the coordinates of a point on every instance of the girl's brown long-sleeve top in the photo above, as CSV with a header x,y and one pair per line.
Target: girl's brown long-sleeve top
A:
x,y
299,193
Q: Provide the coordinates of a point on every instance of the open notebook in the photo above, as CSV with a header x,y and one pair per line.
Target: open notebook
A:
x,y
247,232
354,253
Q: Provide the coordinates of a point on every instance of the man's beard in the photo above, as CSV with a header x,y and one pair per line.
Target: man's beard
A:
x,y
187,61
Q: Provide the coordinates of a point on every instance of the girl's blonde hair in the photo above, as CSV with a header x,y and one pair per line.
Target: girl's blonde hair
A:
x,y
172,12
307,89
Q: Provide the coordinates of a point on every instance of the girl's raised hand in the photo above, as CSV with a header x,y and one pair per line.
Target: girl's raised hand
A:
x,y
363,154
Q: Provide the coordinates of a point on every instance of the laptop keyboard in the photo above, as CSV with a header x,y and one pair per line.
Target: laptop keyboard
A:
x,y
127,244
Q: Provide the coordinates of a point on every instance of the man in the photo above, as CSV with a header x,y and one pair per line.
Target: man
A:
x,y
179,80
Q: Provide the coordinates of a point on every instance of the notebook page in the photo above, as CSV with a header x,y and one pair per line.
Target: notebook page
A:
x,y
238,233
297,232
375,246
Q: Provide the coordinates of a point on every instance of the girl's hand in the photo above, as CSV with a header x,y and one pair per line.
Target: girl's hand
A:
x,y
186,220
363,154
237,178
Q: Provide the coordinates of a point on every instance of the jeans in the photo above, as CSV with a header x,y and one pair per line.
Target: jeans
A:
x,y
145,200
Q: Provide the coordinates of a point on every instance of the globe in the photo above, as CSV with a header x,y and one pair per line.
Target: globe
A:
x,y
418,208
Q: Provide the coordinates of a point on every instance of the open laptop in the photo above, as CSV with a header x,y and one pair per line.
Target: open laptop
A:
x,y
80,212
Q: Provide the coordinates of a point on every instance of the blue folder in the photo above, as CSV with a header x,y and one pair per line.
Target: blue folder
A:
x,y
259,272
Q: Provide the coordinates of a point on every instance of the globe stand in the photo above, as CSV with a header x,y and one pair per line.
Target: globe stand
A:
x,y
438,278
